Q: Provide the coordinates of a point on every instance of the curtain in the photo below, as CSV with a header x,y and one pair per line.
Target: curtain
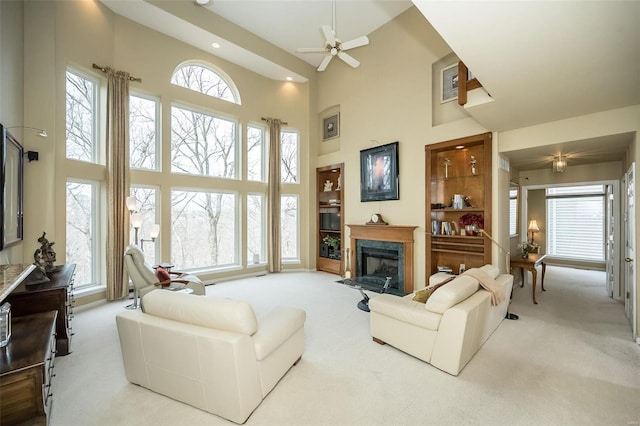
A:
x,y
117,181
274,255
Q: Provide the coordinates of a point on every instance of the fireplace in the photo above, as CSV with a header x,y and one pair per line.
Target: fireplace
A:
x,y
377,260
381,251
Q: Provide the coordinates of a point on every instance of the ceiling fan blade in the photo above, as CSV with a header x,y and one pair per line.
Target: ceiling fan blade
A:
x,y
325,62
349,59
328,35
356,42
311,50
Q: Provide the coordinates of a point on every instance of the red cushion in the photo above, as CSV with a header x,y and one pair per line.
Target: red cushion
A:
x,y
162,274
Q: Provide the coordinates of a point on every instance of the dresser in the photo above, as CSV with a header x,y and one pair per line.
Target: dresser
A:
x,y
26,370
54,295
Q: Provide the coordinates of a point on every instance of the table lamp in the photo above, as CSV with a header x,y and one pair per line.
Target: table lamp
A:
x,y
533,228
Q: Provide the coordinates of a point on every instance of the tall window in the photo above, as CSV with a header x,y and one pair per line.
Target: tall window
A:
x,y
289,156
289,226
205,80
255,228
204,229
203,144
81,117
143,132
81,229
255,154
575,222
513,211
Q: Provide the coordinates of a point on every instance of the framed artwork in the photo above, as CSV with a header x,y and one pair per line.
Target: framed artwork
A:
x,y
379,173
331,127
449,83
11,159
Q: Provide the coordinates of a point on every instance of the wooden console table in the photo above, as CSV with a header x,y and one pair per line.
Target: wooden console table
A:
x,y
55,295
530,263
26,366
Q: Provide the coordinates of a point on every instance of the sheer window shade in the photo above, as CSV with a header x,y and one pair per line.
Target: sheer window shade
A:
x,y
575,227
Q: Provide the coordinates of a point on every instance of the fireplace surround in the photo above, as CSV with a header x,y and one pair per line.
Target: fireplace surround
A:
x,y
380,251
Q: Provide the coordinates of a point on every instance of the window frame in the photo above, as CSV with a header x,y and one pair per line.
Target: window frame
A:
x,y
97,242
297,177
98,155
550,196
158,130
214,69
295,259
214,115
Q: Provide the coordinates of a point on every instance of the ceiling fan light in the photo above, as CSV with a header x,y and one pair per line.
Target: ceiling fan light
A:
x,y
559,163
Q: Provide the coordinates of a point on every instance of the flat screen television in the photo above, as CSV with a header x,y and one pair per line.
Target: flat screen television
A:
x,y
11,183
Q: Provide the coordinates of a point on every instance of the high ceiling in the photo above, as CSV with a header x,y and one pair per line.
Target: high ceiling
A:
x,y
541,61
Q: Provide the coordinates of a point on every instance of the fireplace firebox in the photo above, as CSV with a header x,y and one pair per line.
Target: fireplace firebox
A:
x,y
379,252
377,260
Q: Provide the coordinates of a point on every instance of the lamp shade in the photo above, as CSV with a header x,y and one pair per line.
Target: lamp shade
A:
x,y
154,231
136,220
132,204
533,226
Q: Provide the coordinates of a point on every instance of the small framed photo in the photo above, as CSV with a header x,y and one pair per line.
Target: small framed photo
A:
x,y
449,90
331,127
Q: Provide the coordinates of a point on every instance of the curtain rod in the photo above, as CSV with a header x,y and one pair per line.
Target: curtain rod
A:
x,y
104,69
273,119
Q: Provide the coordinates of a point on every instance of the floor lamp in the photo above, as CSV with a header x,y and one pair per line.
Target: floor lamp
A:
x,y
508,264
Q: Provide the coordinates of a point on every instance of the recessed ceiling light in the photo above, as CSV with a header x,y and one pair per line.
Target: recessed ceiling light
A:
x,y
289,78
215,45
459,146
202,2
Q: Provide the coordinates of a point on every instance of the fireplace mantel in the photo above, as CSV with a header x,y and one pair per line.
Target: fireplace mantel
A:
x,y
392,233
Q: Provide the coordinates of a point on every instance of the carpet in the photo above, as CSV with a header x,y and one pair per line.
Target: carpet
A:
x,y
569,360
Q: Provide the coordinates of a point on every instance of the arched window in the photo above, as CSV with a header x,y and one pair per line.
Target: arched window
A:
x,y
204,79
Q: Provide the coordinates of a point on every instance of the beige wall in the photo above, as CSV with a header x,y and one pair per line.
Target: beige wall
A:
x,y
389,97
11,85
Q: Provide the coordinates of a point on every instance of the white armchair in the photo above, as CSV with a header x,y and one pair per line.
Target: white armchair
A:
x,y
144,279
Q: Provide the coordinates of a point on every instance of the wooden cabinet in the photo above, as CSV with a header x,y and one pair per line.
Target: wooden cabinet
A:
x,y
330,218
26,367
458,203
55,295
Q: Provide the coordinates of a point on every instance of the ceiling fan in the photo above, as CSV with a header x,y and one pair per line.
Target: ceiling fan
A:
x,y
334,46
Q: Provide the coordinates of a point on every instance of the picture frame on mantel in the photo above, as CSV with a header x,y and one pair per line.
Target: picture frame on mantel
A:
x,y
379,173
331,127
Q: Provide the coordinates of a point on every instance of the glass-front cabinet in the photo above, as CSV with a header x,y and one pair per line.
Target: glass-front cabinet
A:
x,y
458,204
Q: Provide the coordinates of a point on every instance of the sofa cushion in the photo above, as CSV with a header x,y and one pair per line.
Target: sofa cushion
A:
x,y
423,295
406,310
211,312
451,294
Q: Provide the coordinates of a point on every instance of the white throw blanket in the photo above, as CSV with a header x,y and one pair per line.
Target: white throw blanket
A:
x,y
488,283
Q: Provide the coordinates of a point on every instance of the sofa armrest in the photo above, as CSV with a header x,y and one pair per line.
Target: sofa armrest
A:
x,y
276,328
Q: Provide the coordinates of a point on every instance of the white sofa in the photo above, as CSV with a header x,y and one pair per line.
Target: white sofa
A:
x,y
209,352
449,328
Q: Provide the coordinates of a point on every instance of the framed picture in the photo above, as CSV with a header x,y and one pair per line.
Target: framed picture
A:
x,y
11,159
449,79
331,127
379,173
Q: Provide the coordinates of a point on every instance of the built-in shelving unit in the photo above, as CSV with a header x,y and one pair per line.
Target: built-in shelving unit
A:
x,y
458,203
330,217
